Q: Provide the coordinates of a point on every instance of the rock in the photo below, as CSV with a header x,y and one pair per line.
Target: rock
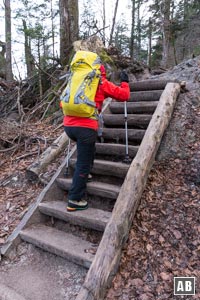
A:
x,y
93,44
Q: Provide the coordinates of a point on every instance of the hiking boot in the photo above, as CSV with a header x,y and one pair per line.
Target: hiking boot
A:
x,y
89,178
76,205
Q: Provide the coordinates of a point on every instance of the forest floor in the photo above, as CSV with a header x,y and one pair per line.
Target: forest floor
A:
x,y
164,239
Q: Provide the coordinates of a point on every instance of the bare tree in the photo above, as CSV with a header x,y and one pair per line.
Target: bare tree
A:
x,y
149,43
104,22
165,10
52,30
69,27
132,30
30,65
113,22
9,73
138,29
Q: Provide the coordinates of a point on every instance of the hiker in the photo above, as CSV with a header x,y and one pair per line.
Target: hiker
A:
x,y
83,131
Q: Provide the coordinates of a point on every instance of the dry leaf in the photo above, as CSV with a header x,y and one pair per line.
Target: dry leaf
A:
x,y
177,234
161,239
165,276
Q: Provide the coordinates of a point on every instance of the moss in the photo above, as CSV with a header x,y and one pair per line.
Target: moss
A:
x,y
105,58
196,50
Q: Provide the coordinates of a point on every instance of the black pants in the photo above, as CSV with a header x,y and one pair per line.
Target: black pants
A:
x,y
85,139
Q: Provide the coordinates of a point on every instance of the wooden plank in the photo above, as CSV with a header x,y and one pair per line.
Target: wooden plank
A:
x,y
134,107
115,149
119,134
145,96
106,190
146,85
60,243
107,257
132,119
91,218
108,168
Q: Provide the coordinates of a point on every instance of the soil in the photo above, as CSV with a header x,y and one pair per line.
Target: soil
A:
x,y
164,239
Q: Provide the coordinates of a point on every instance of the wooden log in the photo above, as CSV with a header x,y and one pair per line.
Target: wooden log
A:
x,y
132,119
94,188
119,134
134,107
33,171
60,243
108,168
146,96
146,85
93,218
115,149
116,232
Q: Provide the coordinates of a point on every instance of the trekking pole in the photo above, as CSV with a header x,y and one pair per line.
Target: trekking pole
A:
x,y
100,129
127,159
67,162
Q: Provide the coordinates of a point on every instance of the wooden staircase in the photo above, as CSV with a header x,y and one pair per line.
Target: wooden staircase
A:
x,y
46,226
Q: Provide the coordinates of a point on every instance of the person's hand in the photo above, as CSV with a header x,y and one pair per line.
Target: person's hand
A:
x,y
124,76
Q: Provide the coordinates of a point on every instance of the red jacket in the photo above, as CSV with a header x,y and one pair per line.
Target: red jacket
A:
x,y
105,89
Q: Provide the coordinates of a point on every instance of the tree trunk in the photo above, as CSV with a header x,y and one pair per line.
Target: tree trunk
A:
x,y
138,30
30,66
104,23
50,154
69,27
132,30
113,23
166,32
52,31
9,74
150,43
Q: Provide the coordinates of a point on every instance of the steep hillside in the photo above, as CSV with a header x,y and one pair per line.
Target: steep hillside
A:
x,y
164,239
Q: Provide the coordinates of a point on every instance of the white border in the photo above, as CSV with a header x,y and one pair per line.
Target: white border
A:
x,y
184,294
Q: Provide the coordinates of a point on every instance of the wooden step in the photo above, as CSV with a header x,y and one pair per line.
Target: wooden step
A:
x,y
132,119
90,218
108,168
146,95
106,190
115,149
133,107
117,134
60,243
147,85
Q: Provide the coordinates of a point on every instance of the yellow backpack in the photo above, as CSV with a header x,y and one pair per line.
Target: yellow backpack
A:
x,y
78,97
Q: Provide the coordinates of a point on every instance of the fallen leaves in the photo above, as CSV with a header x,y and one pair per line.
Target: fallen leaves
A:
x,y
16,193
164,239
177,234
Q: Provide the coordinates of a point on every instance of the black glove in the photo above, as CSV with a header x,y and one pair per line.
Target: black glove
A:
x,y
124,76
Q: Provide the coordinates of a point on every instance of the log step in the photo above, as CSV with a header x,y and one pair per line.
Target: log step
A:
x,y
120,134
91,218
132,119
115,149
146,85
106,190
60,243
108,168
146,95
134,107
